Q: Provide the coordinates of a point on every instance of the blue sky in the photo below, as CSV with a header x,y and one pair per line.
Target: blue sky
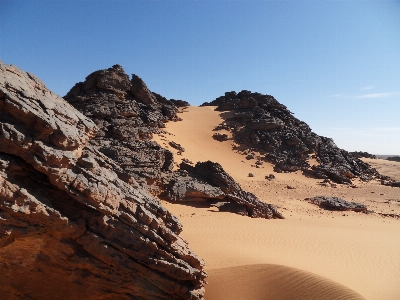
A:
x,y
334,64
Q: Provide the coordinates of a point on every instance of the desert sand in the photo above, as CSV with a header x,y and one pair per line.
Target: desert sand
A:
x,y
313,253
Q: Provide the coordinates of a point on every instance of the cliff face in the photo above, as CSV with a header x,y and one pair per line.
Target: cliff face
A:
x,y
74,223
263,124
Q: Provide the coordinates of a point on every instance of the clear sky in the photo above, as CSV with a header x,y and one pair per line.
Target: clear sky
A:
x,y
334,64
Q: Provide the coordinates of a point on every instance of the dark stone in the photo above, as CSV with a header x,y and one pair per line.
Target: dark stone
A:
x,y
211,179
393,158
270,177
220,137
179,103
335,203
392,183
361,154
177,146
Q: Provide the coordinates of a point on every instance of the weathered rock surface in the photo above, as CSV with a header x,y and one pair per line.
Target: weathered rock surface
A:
x,y
73,223
335,203
263,124
208,181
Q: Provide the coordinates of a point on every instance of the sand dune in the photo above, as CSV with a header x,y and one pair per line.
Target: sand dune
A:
x,y
258,282
312,254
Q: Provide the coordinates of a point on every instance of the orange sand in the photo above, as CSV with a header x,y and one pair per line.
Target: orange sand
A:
x,y
313,253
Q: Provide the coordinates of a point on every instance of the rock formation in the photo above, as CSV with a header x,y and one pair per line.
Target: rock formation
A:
x,y
122,109
361,154
264,125
335,203
394,158
208,181
74,224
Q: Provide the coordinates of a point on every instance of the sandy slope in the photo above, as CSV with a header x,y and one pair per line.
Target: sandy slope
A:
x,y
313,253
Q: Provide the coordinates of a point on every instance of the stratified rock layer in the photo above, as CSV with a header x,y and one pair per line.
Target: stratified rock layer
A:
x,y
73,223
263,124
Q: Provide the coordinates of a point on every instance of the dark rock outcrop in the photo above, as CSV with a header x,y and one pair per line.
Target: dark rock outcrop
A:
x,y
263,124
179,103
177,146
220,137
393,158
390,182
208,181
335,203
361,154
73,223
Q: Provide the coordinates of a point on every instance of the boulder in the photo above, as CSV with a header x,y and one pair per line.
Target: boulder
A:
x,y
220,137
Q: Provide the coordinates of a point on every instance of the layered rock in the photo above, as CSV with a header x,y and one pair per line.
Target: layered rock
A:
x,y
264,125
74,223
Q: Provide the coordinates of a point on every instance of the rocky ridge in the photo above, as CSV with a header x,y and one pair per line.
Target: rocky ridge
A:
x,y
262,124
73,222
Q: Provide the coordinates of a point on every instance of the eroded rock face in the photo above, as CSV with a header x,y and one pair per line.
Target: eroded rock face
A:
x,y
263,124
74,224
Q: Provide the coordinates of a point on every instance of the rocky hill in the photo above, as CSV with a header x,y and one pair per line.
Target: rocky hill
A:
x,y
262,124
